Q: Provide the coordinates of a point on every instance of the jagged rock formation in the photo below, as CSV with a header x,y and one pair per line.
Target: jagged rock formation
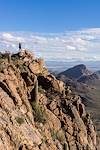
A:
x,y
37,111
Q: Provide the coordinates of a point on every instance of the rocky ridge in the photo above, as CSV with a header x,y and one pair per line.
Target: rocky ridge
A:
x,y
37,111
76,72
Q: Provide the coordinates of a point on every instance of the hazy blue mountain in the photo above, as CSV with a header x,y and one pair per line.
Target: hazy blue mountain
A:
x,y
76,72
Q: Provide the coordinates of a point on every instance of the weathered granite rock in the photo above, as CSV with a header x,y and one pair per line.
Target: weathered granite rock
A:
x,y
57,122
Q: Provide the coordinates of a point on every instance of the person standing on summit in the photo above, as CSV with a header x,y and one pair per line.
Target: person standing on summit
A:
x,y
20,46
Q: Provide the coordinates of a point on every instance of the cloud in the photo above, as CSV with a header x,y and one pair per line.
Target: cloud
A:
x,y
70,46
9,37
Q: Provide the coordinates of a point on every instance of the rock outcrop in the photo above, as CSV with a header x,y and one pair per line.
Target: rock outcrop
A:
x,y
37,111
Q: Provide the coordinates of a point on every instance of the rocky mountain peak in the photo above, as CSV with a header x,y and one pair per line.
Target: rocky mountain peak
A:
x,y
76,72
81,67
37,111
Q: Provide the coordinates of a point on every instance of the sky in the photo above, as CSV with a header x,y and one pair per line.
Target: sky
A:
x,y
49,15
61,30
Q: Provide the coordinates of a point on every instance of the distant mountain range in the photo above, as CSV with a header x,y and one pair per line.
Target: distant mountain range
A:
x,y
61,66
80,73
76,72
85,83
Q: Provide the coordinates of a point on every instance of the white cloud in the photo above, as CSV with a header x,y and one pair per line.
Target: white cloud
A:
x,y
11,38
71,45
7,36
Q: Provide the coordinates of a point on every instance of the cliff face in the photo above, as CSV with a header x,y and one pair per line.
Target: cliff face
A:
x,y
37,112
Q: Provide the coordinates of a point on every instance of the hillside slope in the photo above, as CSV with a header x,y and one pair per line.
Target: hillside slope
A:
x,y
88,87
36,111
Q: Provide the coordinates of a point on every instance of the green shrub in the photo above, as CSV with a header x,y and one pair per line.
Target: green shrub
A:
x,y
61,136
15,57
44,140
39,115
88,147
51,97
40,90
19,120
2,67
21,67
53,134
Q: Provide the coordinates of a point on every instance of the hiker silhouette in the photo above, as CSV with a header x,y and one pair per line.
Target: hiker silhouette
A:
x,y
20,46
